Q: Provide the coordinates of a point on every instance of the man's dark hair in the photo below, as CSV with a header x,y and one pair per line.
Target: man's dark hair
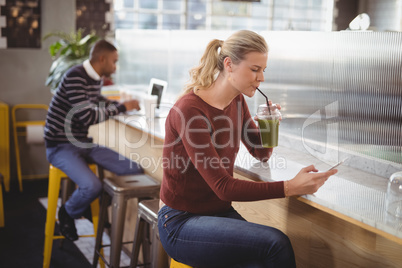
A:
x,y
101,47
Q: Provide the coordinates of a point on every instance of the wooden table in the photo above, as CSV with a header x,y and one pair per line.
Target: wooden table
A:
x,y
323,232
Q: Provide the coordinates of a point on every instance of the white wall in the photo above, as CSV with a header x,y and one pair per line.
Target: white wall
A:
x,y
23,71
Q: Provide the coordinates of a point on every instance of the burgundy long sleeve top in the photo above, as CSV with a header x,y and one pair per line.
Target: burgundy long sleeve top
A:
x,y
200,148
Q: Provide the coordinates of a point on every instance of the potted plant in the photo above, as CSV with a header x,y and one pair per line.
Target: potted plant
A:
x,y
71,49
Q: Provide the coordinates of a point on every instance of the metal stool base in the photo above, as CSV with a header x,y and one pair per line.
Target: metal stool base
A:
x,y
118,190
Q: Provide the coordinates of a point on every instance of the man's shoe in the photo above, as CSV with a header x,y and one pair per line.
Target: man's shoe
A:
x,y
88,214
67,225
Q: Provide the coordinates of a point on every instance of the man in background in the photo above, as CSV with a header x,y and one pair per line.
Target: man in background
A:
x,y
76,105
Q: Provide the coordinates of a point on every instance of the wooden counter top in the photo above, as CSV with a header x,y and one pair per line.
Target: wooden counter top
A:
x,y
344,224
353,195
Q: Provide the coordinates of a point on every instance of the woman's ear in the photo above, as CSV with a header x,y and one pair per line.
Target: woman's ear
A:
x,y
227,63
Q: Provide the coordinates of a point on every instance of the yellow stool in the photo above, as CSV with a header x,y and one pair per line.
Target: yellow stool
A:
x,y
1,202
5,145
175,264
55,176
20,129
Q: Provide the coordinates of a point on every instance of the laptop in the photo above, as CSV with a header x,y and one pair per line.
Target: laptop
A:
x,y
158,87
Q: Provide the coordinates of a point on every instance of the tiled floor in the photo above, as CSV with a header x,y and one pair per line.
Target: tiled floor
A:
x,y
87,244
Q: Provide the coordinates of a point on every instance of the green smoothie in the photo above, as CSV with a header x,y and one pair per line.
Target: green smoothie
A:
x,y
269,132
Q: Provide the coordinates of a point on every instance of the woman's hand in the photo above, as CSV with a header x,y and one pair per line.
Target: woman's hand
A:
x,y
277,105
307,181
270,104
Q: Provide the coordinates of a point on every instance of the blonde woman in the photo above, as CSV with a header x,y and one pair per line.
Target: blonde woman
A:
x,y
197,224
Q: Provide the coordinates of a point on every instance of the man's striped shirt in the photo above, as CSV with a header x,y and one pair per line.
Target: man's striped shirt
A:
x,y
76,105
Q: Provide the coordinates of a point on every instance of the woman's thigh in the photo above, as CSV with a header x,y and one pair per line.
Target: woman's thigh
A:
x,y
216,241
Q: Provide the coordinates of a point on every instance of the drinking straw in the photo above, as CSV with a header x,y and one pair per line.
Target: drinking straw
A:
x,y
266,98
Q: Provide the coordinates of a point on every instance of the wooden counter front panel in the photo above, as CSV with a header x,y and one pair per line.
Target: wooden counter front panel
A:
x,y
319,239
136,146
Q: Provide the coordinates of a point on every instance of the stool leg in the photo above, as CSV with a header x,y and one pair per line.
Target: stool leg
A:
x,y
118,216
146,247
95,207
154,246
158,254
53,195
138,238
1,206
67,188
95,214
101,227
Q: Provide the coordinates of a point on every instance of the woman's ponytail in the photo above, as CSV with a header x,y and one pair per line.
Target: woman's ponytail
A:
x,y
203,75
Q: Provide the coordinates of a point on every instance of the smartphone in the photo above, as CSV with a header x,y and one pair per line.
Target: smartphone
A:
x,y
336,165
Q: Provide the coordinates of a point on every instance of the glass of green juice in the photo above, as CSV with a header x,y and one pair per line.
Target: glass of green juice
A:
x,y
268,122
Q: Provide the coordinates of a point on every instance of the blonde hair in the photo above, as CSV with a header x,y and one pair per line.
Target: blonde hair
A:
x,y
236,47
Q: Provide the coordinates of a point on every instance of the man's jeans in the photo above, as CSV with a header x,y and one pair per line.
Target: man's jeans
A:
x,y
224,240
74,161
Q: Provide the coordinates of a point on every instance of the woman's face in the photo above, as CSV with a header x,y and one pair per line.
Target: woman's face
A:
x,y
247,75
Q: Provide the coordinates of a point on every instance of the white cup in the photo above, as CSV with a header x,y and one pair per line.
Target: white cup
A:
x,y
150,103
123,95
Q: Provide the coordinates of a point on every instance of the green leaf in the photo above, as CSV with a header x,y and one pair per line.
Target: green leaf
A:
x,y
54,48
84,40
70,49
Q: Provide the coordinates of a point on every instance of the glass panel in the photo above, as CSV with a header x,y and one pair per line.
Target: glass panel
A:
x,y
301,25
317,25
318,3
196,21
143,55
240,23
172,4
287,15
301,3
318,15
171,21
282,3
128,3
197,6
150,4
323,80
281,25
230,8
147,21
124,20
281,12
221,23
300,14
259,10
259,25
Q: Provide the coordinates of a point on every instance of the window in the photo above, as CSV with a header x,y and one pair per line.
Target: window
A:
x,y
264,15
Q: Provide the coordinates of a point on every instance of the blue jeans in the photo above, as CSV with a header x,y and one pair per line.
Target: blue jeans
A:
x,y
224,240
74,161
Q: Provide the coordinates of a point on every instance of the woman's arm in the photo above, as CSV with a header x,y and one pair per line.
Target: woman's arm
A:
x,y
195,133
